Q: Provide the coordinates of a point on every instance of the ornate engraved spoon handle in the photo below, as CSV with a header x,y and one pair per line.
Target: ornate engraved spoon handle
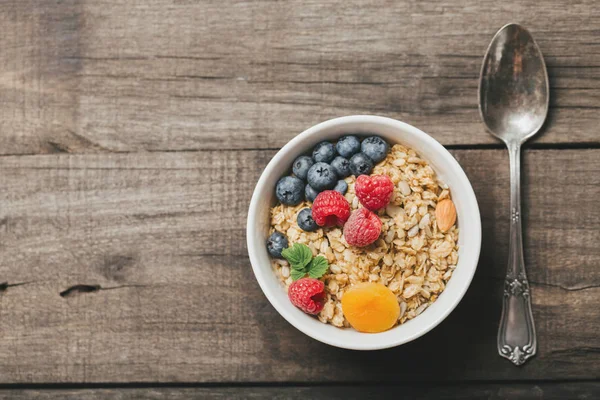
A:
x,y
516,334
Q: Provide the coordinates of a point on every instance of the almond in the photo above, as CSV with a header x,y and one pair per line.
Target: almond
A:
x,y
445,214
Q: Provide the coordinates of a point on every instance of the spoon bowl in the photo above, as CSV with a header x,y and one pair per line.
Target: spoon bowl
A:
x,y
513,88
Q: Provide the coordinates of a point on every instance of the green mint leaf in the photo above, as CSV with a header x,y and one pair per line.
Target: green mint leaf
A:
x,y
317,267
299,255
297,274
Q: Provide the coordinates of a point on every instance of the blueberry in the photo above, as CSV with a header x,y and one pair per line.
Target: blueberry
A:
x,y
321,176
289,190
341,166
341,187
323,152
276,243
375,148
306,221
310,193
360,164
348,146
301,166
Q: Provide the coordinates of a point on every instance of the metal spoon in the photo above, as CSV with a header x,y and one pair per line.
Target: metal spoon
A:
x,y
513,103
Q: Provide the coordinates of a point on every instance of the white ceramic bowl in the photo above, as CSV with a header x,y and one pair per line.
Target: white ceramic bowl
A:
x,y
448,170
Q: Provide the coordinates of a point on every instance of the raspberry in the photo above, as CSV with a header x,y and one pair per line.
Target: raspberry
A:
x,y
374,192
362,228
308,294
330,208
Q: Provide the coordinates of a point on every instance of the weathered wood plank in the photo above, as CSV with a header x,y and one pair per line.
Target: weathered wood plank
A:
x,y
163,236
512,391
92,76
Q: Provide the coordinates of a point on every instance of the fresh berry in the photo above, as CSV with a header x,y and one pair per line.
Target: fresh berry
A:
x,y
341,166
341,187
289,190
375,148
321,176
330,208
306,221
310,193
348,146
308,294
375,191
301,166
362,228
360,164
276,243
324,152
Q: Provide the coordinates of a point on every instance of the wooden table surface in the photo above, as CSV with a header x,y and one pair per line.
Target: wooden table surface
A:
x,y
132,134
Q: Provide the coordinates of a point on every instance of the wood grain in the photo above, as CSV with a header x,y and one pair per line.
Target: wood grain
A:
x,y
162,237
121,76
512,391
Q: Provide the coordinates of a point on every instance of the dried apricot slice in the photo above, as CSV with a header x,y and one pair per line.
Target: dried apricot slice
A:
x,y
370,307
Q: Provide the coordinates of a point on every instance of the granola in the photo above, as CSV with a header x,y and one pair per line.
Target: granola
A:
x,y
412,257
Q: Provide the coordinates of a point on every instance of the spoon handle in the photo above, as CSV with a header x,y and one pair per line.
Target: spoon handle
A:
x,y
516,334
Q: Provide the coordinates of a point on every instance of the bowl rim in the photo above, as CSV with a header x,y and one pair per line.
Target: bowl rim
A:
x,y
252,241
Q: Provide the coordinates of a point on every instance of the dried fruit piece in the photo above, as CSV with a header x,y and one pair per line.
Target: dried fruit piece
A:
x,y
308,294
445,214
370,307
362,228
